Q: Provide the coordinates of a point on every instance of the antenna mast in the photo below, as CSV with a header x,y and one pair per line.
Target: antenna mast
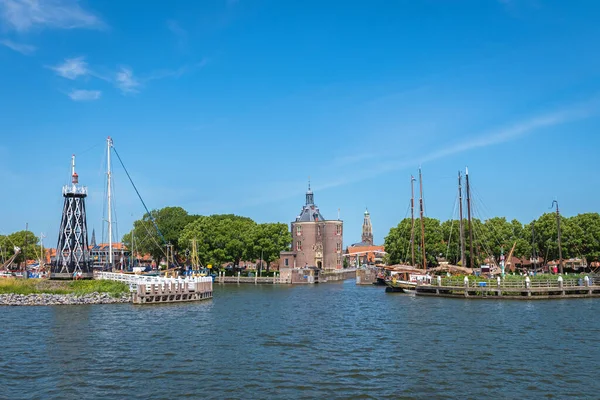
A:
x,y
422,222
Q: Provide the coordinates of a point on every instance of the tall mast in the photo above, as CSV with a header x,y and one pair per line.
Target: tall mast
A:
x,y
533,253
462,226
471,254
422,221
560,258
108,180
412,216
132,251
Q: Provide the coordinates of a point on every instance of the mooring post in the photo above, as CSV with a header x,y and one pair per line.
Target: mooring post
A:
x,y
255,277
499,286
238,280
586,279
466,280
560,284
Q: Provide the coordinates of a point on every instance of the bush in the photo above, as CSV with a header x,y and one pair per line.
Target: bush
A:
x,y
79,288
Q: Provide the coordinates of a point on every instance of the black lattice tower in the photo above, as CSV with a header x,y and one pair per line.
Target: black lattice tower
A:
x,y
72,251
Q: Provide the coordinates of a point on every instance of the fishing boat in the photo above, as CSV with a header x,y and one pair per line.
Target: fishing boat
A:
x,y
405,278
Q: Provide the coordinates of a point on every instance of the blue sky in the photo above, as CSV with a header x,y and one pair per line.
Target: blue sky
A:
x,y
228,106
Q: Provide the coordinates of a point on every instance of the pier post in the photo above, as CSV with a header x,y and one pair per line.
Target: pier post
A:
x,y
586,279
499,291
238,280
466,280
560,284
256,277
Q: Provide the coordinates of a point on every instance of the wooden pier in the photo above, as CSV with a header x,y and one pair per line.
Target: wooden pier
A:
x,y
155,289
291,276
148,293
515,290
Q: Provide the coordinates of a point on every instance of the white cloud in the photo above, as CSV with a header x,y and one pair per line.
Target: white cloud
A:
x,y
175,73
180,34
72,68
23,15
513,132
85,95
22,48
126,81
369,170
176,28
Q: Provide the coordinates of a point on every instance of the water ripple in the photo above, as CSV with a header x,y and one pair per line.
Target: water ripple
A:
x,y
322,341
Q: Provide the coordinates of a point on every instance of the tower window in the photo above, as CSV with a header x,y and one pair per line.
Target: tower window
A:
x,y
319,230
298,230
298,245
339,246
338,230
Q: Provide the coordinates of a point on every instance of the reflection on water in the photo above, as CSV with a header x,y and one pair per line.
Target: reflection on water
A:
x,y
321,341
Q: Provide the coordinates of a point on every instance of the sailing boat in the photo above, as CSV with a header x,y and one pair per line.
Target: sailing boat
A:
x,y
405,278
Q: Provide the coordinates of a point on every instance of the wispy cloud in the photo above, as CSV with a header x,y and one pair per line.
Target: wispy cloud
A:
x,y
175,73
511,132
23,15
72,68
180,34
85,95
126,81
22,48
124,78
515,131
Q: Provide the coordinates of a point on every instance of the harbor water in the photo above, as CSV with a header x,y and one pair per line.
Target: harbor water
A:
x,y
332,340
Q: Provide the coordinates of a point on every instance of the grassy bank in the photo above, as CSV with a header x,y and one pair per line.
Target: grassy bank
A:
x,y
79,288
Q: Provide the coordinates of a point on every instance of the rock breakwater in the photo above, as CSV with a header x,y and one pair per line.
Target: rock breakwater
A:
x,y
45,299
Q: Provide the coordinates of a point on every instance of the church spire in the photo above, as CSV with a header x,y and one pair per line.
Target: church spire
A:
x,y
93,241
310,199
367,229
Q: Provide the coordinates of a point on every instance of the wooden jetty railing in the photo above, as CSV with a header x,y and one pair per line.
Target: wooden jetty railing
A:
x,y
516,289
221,278
327,276
156,289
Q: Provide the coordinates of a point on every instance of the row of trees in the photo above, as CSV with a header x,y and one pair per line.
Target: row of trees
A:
x,y
580,237
219,238
26,241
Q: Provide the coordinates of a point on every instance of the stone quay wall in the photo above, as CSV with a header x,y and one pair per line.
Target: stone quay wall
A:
x,y
60,299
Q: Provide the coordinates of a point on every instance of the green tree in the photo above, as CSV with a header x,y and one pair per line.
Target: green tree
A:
x,y
171,222
269,240
397,242
587,228
31,250
220,238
